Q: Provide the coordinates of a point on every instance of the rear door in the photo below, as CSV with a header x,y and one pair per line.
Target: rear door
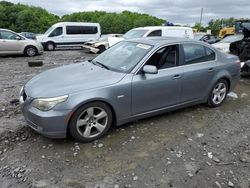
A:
x,y
155,91
198,62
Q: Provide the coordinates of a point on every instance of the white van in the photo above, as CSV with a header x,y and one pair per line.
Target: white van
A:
x,y
65,34
153,31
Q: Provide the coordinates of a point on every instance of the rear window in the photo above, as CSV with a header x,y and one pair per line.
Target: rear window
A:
x,y
79,30
195,53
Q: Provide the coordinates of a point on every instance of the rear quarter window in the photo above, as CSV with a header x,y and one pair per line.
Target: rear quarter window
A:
x,y
196,53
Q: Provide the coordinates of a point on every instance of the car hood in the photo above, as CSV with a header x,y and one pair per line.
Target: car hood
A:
x,y
70,79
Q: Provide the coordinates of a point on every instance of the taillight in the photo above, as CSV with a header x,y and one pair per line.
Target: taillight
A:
x,y
238,63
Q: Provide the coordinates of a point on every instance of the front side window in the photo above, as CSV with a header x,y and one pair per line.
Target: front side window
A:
x,y
8,35
195,53
123,56
156,33
57,32
166,57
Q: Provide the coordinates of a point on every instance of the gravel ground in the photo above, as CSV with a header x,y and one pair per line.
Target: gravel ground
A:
x,y
192,147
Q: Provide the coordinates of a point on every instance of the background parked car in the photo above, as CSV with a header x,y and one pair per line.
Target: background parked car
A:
x,y
208,38
29,35
154,31
13,43
68,34
224,44
100,45
242,48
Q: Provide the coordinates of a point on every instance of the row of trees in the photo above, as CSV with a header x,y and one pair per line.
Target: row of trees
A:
x,y
215,25
20,17
115,22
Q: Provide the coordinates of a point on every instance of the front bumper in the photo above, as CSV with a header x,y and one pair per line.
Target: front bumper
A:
x,y
91,48
51,124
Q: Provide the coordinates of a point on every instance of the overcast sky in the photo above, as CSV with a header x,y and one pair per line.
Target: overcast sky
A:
x,y
176,11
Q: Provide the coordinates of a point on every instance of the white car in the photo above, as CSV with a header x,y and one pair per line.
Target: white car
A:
x,y
13,43
154,31
67,34
100,45
224,44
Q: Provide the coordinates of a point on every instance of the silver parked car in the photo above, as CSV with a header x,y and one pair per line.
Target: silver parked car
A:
x,y
133,79
13,43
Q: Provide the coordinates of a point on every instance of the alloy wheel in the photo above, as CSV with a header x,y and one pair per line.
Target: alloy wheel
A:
x,y
31,51
92,122
219,93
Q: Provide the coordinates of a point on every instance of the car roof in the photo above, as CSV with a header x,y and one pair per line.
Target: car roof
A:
x,y
4,29
162,27
158,41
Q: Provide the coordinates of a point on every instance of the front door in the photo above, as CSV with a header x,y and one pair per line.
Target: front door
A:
x,y
10,42
155,91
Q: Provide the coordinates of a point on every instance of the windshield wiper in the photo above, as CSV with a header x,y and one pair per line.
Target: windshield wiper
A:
x,y
99,64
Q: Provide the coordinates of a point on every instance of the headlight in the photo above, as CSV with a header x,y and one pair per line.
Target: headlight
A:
x,y
46,104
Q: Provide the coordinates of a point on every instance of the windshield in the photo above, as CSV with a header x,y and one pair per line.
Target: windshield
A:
x,y
232,38
198,36
135,33
123,56
49,30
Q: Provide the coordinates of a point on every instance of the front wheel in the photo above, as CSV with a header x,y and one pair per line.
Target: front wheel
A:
x,y
50,46
218,93
90,122
30,51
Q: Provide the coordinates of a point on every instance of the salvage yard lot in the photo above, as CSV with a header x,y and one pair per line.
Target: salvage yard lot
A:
x,y
193,147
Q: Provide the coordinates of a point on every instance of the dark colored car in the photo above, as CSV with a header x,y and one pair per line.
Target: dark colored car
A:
x,y
208,38
242,48
29,35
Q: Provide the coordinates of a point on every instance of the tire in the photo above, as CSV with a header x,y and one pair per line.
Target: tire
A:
x,y
218,93
50,46
86,126
30,51
101,49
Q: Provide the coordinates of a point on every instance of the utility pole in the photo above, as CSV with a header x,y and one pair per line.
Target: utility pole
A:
x,y
201,18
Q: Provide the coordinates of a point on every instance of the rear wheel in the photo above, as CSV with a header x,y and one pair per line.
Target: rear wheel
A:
x,y
218,93
30,51
90,122
50,46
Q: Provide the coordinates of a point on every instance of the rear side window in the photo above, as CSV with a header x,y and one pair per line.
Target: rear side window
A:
x,y
57,32
155,33
79,30
195,53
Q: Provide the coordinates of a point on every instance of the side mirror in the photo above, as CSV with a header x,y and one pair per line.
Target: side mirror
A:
x,y
150,69
18,38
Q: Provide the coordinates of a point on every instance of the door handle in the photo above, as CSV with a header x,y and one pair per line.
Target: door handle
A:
x,y
211,70
177,76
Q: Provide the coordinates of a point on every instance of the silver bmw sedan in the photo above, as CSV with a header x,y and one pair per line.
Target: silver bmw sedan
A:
x,y
134,79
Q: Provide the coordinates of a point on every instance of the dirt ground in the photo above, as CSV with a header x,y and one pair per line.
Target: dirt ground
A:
x,y
192,147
